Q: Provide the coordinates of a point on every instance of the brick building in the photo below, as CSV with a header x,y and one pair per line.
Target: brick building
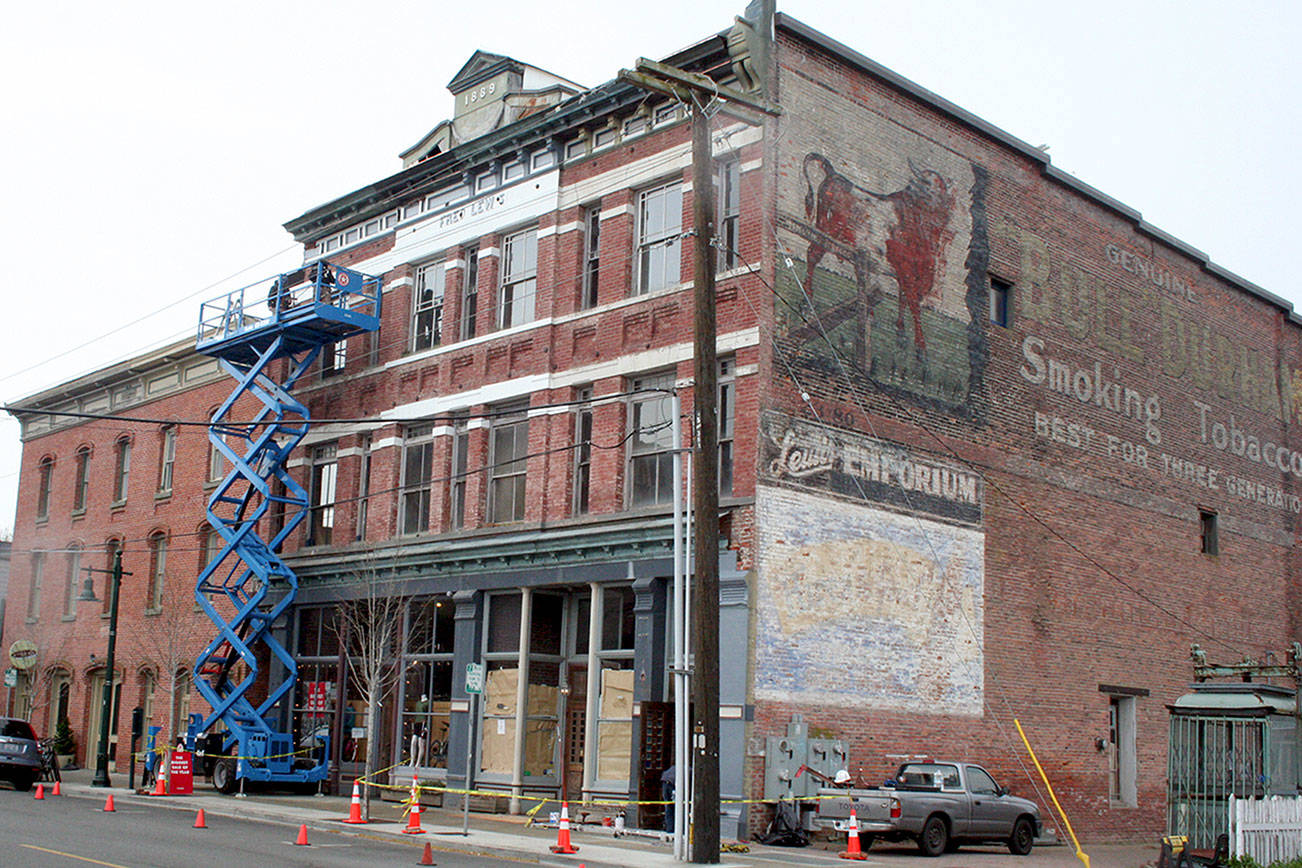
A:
x,y
993,446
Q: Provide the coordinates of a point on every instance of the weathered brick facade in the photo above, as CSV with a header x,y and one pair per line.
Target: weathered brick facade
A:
x,y
936,524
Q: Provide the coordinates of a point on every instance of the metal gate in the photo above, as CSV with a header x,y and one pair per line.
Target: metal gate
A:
x,y
1211,758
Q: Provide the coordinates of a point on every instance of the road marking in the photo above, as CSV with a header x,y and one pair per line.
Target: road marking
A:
x,y
74,856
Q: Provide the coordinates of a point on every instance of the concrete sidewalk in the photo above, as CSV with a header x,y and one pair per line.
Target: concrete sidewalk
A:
x,y
509,837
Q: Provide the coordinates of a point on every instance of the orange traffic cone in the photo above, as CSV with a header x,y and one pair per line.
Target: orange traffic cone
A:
x,y
427,858
413,821
563,844
852,850
40,791
355,807
57,791
199,820
108,803
160,788
301,840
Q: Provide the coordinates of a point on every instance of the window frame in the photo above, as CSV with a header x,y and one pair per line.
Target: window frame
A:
x,y
508,474
469,290
656,457
726,398
727,219
323,480
580,496
517,296
428,304
668,238
44,486
1000,302
416,494
35,581
591,256
157,543
167,460
121,469
1209,532
81,479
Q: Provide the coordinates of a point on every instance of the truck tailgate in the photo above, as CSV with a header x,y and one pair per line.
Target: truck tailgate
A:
x,y
871,807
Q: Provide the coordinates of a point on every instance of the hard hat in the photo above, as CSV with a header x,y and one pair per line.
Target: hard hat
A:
x,y
842,777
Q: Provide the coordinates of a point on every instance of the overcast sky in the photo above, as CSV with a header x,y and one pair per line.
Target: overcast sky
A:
x,y
152,150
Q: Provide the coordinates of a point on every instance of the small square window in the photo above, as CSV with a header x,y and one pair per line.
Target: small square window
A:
x,y
1001,296
666,114
543,159
604,138
576,149
513,171
634,126
1210,537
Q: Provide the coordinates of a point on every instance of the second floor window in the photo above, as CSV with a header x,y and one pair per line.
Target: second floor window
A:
x,y
364,487
167,460
582,450
34,590
651,457
427,311
322,517
333,358
70,586
659,238
44,479
81,484
121,469
157,571
727,418
519,279
509,448
457,476
417,466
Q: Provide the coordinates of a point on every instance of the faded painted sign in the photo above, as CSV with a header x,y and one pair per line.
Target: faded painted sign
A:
x,y
822,458
865,607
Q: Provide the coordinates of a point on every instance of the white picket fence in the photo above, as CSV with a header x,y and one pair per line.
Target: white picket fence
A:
x,y
1268,830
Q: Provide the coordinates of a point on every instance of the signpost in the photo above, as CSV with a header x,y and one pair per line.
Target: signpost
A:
x,y
474,687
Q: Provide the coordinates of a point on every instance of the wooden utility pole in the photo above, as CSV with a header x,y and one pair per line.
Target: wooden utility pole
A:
x,y
698,91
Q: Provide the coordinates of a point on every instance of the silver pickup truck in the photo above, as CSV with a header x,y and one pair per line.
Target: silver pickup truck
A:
x,y
937,804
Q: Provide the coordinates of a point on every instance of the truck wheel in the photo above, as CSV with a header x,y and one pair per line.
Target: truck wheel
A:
x,y
935,836
223,776
1022,839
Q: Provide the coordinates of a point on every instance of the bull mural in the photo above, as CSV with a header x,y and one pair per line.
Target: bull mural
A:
x,y
900,235
893,272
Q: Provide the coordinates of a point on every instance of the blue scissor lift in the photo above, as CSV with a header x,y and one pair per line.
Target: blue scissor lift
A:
x,y
266,337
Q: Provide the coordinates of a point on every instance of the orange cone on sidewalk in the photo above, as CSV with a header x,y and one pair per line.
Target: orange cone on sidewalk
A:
x,y
852,850
40,791
301,840
562,844
355,807
108,803
57,791
160,789
427,858
199,820
413,821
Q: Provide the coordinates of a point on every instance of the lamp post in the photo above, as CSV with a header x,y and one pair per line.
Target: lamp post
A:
x,y
101,778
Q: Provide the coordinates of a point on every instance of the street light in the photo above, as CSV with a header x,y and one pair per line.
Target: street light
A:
x,y
101,778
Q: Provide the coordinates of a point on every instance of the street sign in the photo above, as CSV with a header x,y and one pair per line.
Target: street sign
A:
x,y
11,677
474,678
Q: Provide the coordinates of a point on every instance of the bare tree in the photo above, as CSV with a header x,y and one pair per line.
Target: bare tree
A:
x,y
369,626
170,643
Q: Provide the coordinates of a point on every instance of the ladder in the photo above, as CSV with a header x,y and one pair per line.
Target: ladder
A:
x,y
266,337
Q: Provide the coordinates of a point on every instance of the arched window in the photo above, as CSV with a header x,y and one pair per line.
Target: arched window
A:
x,y
121,468
81,481
157,571
45,475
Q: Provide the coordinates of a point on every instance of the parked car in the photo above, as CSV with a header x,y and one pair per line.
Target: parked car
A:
x,y
20,755
937,804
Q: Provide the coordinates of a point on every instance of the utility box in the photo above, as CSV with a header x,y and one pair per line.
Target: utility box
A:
x,y
784,756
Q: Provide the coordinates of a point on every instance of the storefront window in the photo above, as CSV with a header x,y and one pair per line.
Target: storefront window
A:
x,y
497,746
427,683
